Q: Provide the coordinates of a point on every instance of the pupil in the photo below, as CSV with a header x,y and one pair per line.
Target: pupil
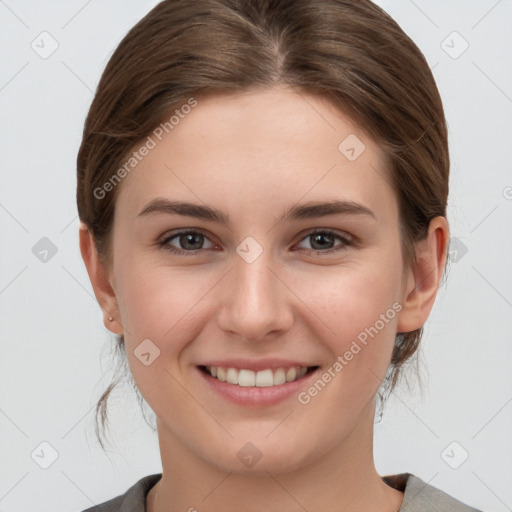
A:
x,y
320,236
189,238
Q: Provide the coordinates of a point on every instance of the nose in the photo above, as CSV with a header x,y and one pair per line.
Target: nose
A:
x,y
256,304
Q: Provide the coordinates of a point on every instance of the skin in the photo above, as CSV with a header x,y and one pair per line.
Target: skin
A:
x,y
254,155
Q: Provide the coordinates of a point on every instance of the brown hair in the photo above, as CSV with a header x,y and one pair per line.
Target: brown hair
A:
x,y
350,52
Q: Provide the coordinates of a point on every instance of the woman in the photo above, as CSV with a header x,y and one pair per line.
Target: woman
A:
x,y
262,187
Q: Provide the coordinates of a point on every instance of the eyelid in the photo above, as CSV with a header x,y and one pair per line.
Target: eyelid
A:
x,y
335,232
166,238
178,231
345,237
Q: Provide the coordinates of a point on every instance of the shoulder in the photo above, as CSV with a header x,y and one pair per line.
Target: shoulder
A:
x,y
133,500
420,496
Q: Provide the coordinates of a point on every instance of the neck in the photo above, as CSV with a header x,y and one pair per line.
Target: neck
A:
x,y
344,479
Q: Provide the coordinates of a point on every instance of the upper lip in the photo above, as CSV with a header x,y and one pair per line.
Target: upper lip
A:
x,y
255,365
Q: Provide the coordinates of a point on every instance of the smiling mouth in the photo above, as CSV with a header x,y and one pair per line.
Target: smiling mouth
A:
x,y
263,378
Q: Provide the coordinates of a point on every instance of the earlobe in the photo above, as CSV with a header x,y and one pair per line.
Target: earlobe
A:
x,y
98,276
424,278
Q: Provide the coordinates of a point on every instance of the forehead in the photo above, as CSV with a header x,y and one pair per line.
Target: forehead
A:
x,y
259,147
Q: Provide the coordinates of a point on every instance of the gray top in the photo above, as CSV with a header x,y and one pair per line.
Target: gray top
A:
x,y
418,496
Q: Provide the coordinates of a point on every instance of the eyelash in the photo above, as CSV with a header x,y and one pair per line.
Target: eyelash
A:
x,y
164,244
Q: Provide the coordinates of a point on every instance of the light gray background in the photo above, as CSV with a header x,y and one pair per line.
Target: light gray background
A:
x,y
54,362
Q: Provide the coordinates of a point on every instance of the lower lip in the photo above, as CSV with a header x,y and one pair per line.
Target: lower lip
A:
x,y
253,395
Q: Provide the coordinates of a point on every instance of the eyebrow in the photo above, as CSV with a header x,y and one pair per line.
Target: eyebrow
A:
x,y
310,210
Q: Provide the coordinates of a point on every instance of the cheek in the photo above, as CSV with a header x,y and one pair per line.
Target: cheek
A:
x,y
358,307
336,305
349,299
162,303
362,312
166,307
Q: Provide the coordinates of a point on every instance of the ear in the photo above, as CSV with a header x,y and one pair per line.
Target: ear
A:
x,y
424,278
99,277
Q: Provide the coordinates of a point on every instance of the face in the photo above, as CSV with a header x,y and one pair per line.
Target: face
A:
x,y
273,281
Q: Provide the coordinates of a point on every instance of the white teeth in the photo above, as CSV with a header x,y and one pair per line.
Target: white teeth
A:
x,y
261,379
232,376
279,377
245,377
291,374
221,374
264,378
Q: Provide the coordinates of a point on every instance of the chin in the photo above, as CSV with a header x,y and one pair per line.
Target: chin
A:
x,y
259,456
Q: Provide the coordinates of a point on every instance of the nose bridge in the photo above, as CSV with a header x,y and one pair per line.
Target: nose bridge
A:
x,y
255,304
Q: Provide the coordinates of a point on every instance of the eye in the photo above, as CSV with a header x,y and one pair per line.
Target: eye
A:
x,y
189,242
322,241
